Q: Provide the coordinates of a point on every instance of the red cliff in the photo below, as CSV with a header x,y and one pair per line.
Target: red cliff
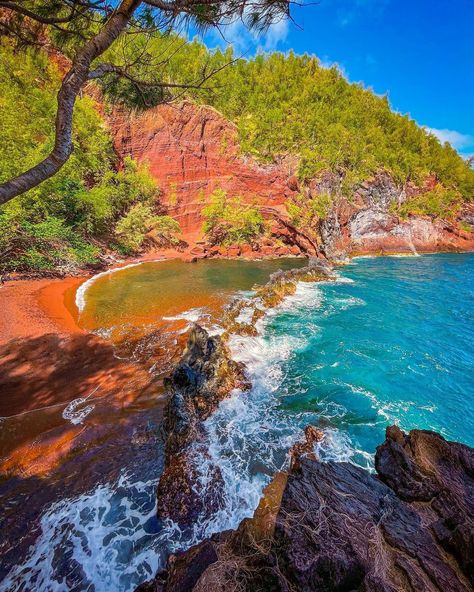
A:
x,y
192,150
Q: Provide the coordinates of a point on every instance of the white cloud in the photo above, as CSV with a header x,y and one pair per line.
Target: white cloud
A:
x,y
247,42
456,139
276,34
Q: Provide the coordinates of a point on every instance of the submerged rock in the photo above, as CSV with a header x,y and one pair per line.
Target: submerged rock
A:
x,y
284,283
340,528
241,315
204,376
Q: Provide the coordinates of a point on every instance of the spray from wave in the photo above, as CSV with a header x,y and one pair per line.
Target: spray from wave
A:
x,y
110,539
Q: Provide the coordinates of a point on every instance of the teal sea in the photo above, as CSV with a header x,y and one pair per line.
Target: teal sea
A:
x,y
391,341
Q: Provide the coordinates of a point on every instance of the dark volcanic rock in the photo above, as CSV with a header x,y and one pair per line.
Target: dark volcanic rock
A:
x,y
205,376
423,467
342,529
183,570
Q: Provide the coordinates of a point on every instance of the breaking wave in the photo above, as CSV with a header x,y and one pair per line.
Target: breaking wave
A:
x,y
347,356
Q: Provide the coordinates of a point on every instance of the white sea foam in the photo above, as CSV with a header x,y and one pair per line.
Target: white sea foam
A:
x,y
95,541
215,329
192,315
363,257
75,412
245,315
342,279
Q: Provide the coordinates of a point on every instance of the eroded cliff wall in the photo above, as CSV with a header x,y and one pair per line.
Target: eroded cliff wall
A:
x,y
193,150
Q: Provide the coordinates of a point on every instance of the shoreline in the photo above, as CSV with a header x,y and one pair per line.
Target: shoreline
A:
x,y
32,307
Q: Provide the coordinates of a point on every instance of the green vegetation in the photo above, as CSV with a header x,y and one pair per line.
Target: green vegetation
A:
x,y
45,245
332,124
89,205
228,221
437,203
60,223
304,211
139,221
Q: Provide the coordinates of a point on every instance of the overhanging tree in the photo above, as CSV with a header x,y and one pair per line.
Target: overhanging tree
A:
x,y
93,26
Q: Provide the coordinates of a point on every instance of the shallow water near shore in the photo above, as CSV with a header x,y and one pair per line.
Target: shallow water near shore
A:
x,y
392,341
162,292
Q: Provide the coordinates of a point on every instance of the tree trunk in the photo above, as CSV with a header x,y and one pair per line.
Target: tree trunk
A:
x,y
70,87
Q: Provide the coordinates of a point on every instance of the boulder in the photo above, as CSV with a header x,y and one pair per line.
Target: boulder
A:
x,y
339,528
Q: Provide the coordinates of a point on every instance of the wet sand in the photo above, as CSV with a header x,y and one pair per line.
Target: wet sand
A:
x,y
46,362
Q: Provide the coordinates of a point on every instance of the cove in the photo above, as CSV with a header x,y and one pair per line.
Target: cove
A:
x,y
163,291
390,341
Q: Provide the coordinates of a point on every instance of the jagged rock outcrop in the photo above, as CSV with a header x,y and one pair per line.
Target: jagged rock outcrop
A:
x,y
241,315
284,283
367,224
409,528
204,376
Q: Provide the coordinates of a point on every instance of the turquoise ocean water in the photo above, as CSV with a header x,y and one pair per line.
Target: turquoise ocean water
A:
x,y
391,341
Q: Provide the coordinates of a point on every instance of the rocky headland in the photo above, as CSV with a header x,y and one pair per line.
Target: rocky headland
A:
x,y
330,526
204,376
337,527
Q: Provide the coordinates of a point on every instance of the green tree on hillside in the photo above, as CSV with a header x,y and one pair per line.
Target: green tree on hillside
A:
x,y
229,221
60,223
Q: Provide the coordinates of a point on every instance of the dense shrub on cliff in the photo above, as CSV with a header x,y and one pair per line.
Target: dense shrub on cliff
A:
x,y
228,221
140,221
332,124
305,211
52,225
292,104
437,203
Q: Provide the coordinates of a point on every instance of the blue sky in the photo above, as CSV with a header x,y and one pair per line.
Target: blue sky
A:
x,y
420,52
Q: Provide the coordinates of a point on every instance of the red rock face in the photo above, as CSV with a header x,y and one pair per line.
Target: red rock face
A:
x,y
192,151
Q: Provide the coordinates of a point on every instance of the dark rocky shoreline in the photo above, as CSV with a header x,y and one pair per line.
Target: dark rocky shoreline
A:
x,y
340,528
206,375
322,526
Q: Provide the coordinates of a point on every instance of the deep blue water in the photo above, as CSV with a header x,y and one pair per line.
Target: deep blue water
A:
x,y
394,346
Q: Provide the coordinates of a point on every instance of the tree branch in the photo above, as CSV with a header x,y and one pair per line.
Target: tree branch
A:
x,y
167,12
70,87
38,17
105,68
